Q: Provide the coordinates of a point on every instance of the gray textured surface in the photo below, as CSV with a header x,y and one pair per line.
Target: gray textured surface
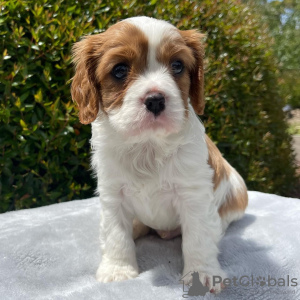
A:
x,y
53,253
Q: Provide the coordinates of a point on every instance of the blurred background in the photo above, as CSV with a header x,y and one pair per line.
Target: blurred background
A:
x,y
252,88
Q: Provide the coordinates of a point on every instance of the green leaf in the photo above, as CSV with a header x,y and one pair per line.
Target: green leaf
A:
x,y
23,124
38,96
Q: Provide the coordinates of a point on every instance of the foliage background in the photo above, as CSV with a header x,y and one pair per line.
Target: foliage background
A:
x,y
283,20
44,150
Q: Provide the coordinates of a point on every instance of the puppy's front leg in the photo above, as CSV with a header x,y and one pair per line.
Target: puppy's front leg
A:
x,y
117,245
201,232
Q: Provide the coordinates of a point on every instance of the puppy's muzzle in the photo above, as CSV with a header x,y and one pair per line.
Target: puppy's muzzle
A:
x,y
155,103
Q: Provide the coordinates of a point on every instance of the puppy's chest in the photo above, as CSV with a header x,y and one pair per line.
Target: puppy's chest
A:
x,y
153,204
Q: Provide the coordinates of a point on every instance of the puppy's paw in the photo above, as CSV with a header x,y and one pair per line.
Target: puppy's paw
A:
x,y
211,280
108,272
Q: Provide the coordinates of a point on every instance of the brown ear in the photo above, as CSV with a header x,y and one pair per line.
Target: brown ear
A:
x,y
85,88
192,39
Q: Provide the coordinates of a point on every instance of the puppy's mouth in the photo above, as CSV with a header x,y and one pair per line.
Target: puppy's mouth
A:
x,y
149,124
155,121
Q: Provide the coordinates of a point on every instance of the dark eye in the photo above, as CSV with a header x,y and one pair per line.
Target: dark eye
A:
x,y
177,67
120,71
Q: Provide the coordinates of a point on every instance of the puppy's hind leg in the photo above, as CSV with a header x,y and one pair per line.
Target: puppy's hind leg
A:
x,y
235,202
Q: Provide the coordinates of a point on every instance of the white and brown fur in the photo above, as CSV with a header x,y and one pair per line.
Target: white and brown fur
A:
x,y
160,172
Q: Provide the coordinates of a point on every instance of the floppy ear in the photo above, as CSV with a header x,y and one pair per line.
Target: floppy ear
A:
x,y
85,88
192,39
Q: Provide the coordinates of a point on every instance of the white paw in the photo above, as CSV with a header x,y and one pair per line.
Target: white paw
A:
x,y
211,279
108,272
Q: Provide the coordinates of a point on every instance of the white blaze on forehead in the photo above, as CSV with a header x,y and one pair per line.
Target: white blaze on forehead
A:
x,y
155,30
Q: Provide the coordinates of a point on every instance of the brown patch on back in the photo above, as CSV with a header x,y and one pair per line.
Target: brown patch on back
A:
x,y
221,167
237,197
95,56
237,200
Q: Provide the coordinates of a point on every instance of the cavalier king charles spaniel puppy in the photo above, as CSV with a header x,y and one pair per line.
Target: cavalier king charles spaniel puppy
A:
x,y
140,85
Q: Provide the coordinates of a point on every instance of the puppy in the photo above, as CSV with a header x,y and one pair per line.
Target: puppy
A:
x,y
140,85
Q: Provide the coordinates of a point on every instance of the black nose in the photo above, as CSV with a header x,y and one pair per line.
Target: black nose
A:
x,y
155,103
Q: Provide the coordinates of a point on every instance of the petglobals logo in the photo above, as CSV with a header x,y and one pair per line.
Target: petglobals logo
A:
x,y
245,280
196,288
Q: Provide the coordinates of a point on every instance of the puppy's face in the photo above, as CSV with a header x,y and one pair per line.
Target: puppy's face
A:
x,y
140,74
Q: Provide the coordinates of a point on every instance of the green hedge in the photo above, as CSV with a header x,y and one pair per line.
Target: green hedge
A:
x,y
44,150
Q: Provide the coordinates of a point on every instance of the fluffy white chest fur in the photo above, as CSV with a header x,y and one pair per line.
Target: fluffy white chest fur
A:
x,y
154,174
139,84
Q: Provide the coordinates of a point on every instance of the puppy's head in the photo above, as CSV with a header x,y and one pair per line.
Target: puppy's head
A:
x,y
140,74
